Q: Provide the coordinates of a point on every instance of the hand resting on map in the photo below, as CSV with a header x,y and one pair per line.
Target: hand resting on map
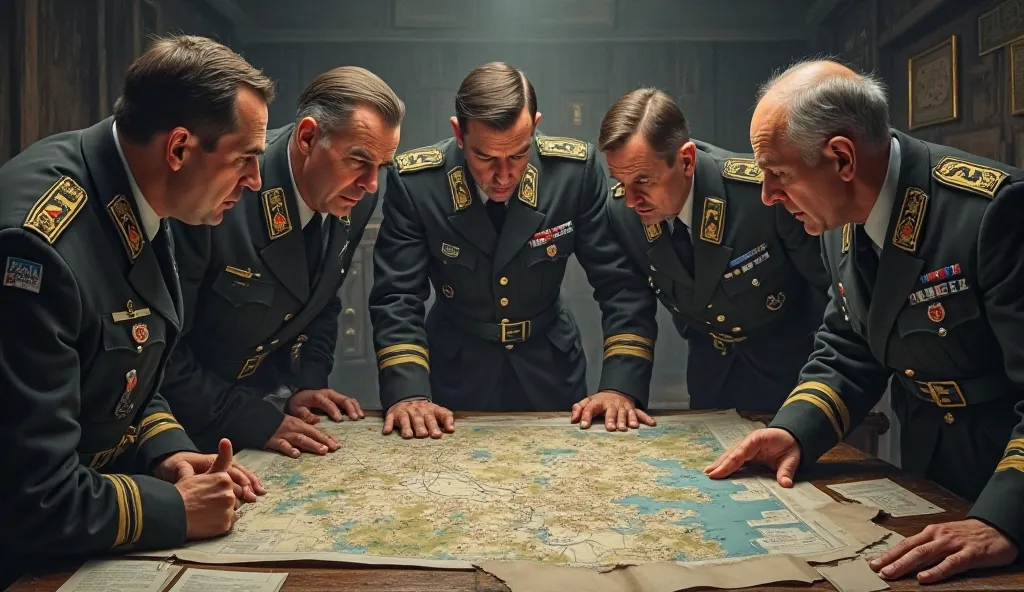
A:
x,y
620,412
772,447
419,417
296,432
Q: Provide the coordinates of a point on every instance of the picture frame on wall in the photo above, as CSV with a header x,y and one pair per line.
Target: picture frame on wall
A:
x,y
932,85
1017,77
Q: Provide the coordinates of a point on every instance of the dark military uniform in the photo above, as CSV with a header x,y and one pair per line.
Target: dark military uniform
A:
x,y
500,337
256,322
751,305
945,320
90,310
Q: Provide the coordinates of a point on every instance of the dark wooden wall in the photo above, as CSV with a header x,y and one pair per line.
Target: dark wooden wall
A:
x,y
882,35
65,58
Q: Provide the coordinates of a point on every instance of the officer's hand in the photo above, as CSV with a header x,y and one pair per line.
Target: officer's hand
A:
x,y
182,465
330,401
619,412
294,435
954,546
777,449
209,497
419,417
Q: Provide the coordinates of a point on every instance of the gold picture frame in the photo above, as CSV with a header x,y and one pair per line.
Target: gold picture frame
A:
x,y
1017,77
932,96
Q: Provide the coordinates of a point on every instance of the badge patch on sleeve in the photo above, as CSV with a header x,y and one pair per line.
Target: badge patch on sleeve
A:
x,y
23,274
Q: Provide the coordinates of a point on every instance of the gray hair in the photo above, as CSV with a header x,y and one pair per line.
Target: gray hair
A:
x,y
856,107
333,96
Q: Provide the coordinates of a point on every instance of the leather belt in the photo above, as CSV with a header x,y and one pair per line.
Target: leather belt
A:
x,y
505,332
722,341
962,392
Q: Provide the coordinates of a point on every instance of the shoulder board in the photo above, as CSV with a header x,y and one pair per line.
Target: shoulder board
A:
x,y
742,169
618,191
968,176
563,147
419,159
55,210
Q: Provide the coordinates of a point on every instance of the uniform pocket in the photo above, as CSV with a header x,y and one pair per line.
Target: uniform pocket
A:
x,y
239,291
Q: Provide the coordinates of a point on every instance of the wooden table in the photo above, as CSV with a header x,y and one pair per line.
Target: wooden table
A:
x,y
842,464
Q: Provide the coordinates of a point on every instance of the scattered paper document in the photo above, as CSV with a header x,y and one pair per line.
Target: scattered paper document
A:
x,y
121,575
888,497
853,576
215,580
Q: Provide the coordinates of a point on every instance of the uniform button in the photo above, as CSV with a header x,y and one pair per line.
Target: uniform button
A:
x,y
504,301
721,318
756,282
709,306
653,268
259,349
139,349
909,373
509,346
949,419
342,271
737,329
503,281
288,317
942,332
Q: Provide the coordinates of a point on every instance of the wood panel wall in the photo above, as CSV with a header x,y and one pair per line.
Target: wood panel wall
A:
x,y
64,59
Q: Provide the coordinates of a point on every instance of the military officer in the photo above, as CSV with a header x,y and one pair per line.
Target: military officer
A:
x,y
490,218
923,244
90,305
746,287
261,289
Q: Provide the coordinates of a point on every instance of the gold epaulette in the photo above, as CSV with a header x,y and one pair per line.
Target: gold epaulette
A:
x,y
742,169
419,159
562,147
55,210
969,176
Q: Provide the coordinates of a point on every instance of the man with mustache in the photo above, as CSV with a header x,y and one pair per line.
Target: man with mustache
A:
x,y
90,307
261,290
923,243
489,218
745,285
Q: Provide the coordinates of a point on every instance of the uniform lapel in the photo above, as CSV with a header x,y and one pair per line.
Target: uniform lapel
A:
x,y
469,215
898,266
111,180
285,254
522,218
664,258
710,256
853,291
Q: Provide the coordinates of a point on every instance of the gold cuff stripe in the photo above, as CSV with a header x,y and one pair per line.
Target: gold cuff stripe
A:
x,y
407,359
820,405
1017,444
628,337
156,431
149,419
821,388
1013,462
129,510
134,531
404,347
624,350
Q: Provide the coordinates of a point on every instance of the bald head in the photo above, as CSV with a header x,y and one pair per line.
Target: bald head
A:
x,y
815,100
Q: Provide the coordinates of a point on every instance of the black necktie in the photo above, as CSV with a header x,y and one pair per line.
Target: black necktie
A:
x,y
683,244
314,235
867,259
496,211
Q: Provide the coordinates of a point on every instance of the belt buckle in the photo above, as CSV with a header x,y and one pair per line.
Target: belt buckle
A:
x,y
515,332
944,393
721,341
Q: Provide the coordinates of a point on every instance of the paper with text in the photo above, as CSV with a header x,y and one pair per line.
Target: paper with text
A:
x,y
886,496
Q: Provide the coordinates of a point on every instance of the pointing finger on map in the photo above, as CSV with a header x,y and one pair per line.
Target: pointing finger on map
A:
x,y
771,447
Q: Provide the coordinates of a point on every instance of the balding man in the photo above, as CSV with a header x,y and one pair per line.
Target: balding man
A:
x,y
923,245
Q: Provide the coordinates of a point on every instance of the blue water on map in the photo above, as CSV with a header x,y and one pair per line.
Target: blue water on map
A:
x,y
340,533
290,505
550,455
481,454
722,519
542,480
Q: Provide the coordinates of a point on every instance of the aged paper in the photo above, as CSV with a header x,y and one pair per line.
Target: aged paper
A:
x,y
853,576
120,575
526,576
536,490
210,580
887,496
